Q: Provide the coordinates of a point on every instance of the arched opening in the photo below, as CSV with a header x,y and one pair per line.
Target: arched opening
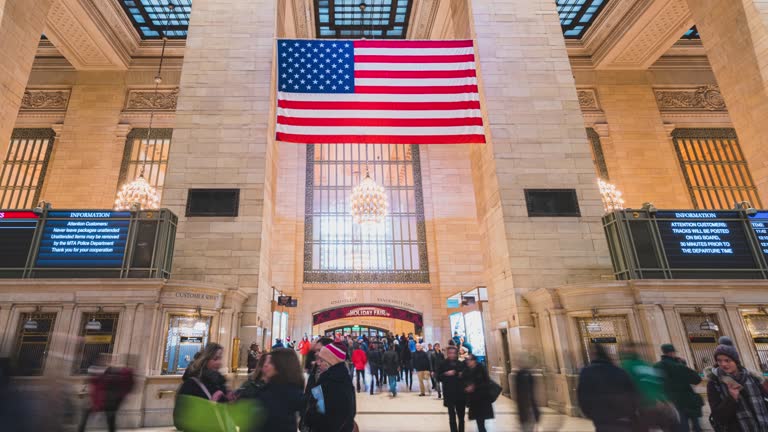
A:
x,y
353,319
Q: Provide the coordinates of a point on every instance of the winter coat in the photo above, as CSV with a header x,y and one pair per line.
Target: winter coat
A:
x,y
359,359
390,361
340,404
421,361
525,398
374,358
607,395
212,380
479,400
412,345
649,381
281,402
724,407
304,347
453,386
436,358
405,355
678,379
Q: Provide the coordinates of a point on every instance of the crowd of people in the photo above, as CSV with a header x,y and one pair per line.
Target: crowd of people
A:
x,y
278,397
635,395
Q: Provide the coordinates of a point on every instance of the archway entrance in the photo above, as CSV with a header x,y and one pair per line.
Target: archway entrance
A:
x,y
352,319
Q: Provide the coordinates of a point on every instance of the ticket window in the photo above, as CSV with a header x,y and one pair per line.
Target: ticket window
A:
x,y
34,339
702,331
98,331
186,336
612,332
757,325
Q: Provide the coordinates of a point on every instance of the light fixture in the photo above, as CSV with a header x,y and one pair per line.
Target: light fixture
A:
x,y
594,326
138,193
200,324
611,196
746,206
94,324
649,207
369,202
707,324
31,324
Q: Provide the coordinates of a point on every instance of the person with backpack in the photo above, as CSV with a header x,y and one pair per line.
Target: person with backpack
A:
x,y
736,395
678,379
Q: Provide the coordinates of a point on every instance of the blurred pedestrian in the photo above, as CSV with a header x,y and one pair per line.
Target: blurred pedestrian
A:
x,y
253,356
312,376
478,389
606,394
527,409
423,369
359,360
654,410
678,379
278,344
281,395
108,386
374,364
736,395
304,348
451,373
254,383
332,406
436,359
390,362
406,363
203,380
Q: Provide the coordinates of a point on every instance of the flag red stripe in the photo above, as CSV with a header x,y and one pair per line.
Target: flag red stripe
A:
x,y
415,90
413,44
381,139
415,59
391,122
402,106
463,73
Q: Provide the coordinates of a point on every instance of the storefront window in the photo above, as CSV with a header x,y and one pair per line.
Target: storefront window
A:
x,y
35,330
757,324
475,333
186,336
98,332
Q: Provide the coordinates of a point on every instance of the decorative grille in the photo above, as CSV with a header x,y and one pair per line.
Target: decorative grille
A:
x,y
610,331
23,171
598,157
151,154
338,250
382,19
702,342
757,324
714,168
32,343
96,342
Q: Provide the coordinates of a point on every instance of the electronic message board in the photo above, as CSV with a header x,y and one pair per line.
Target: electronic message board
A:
x,y
759,223
84,239
17,229
705,240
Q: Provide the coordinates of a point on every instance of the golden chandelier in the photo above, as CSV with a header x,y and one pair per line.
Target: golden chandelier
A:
x,y
369,202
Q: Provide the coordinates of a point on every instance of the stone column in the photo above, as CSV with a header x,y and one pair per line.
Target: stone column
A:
x,y
645,167
22,22
536,140
735,37
224,138
741,337
62,336
655,331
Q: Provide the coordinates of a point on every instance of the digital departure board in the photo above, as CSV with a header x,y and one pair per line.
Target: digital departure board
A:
x,y
759,222
84,239
705,240
17,229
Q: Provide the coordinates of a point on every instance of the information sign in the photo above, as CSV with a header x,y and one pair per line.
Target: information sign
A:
x,y
17,229
759,223
84,239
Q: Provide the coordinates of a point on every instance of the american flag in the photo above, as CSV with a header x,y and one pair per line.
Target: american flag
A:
x,y
378,91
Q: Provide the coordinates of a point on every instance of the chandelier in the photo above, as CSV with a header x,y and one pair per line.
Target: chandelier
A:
x,y
139,193
611,196
369,202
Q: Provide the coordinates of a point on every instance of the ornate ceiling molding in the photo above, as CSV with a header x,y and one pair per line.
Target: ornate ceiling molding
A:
x,y
588,99
303,19
45,100
144,100
703,98
423,19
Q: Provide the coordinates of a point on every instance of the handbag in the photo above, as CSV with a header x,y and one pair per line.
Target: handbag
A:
x,y
494,390
204,415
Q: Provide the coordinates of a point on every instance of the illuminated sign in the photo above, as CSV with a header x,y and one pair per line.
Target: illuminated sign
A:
x,y
84,239
17,229
704,240
759,222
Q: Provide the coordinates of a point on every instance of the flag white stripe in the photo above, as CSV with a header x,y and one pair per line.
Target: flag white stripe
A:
x,y
374,130
349,97
400,52
404,114
414,82
414,66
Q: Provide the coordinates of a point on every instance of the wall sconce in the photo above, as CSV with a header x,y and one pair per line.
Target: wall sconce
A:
x,y
200,325
31,324
594,326
707,324
94,324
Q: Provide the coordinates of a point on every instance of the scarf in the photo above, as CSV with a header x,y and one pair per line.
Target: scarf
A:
x,y
752,413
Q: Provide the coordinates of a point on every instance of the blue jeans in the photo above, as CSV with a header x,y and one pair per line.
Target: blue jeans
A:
x,y
684,423
392,384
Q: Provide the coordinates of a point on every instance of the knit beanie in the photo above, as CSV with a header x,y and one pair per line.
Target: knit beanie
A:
x,y
726,348
668,348
333,353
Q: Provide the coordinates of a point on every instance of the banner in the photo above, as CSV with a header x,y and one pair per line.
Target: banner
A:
x,y
367,311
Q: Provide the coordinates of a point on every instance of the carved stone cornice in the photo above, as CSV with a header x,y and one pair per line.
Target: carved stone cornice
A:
x,y
423,19
45,100
588,99
704,98
147,100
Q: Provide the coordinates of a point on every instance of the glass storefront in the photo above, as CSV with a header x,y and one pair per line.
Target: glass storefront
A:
x,y
186,336
356,331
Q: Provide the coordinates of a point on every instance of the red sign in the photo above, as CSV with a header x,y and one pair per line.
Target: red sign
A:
x,y
367,311
17,215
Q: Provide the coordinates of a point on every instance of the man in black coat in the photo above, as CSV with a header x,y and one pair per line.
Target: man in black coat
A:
x,y
333,405
374,363
450,375
607,395
391,365
436,359
423,368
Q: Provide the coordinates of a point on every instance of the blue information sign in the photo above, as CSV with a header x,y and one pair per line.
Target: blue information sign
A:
x,y
704,240
84,239
760,226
